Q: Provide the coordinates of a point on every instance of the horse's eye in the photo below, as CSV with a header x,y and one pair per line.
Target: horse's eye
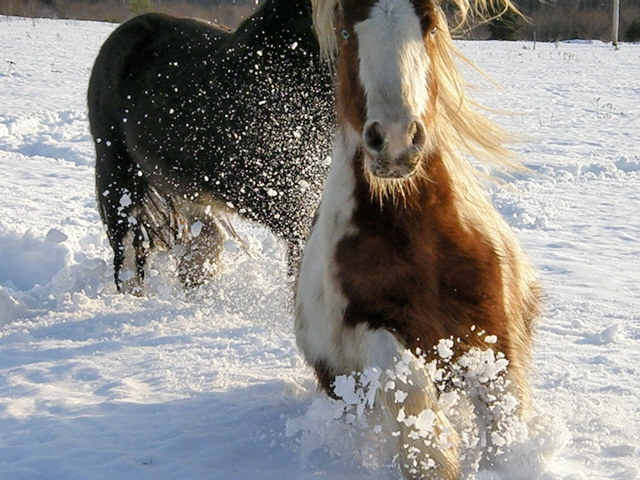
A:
x,y
345,34
433,31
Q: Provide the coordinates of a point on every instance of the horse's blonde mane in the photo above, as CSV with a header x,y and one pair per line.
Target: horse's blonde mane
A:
x,y
459,126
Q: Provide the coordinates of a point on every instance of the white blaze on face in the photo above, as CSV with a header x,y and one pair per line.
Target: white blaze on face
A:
x,y
393,62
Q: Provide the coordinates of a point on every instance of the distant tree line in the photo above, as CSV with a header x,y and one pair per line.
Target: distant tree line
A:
x,y
554,20
545,20
227,12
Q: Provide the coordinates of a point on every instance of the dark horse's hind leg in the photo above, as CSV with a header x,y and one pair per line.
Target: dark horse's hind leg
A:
x,y
120,193
201,259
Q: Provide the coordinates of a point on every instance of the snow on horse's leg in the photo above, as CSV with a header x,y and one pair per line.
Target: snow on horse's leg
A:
x,y
428,442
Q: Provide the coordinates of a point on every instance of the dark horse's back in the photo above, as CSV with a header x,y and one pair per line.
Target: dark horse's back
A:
x,y
190,120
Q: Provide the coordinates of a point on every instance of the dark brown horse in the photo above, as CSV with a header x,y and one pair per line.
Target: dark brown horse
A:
x,y
406,249
191,122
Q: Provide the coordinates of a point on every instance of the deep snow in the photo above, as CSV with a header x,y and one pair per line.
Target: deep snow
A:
x,y
210,385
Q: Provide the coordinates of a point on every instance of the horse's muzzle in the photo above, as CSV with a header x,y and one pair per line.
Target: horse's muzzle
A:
x,y
394,150
383,166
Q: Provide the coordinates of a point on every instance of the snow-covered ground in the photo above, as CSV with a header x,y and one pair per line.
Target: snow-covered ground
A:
x,y
97,385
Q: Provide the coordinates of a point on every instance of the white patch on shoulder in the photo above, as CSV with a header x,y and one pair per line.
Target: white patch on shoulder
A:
x,y
394,64
320,303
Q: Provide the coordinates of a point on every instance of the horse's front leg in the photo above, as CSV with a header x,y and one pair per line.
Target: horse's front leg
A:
x,y
427,442
502,407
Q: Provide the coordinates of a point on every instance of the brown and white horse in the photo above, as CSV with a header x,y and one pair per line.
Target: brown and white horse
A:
x,y
406,249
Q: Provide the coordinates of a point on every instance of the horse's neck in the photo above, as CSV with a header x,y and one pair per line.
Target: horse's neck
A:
x,y
279,29
292,7
349,201
274,16
428,200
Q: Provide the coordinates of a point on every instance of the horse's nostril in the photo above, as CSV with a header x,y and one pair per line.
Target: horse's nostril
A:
x,y
373,138
418,135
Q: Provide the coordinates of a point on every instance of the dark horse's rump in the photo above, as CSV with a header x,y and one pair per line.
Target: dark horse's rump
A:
x,y
189,119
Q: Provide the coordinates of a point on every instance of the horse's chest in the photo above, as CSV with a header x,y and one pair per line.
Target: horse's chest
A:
x,y
393,278
383,278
